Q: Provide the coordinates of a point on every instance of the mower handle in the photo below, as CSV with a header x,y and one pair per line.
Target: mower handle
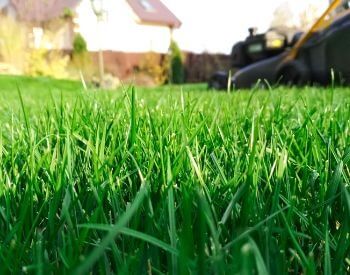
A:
x,y
320,23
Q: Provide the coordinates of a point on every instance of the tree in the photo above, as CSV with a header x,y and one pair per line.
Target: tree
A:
x,y
284,16
176,64
308,16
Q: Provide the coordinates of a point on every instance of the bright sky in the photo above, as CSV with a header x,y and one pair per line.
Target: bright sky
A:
x,y
215,25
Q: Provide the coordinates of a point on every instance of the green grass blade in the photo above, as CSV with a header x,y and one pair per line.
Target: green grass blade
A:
x,y
109,238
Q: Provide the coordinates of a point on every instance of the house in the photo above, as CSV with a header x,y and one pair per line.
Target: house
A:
x,y
127,26
123,29
128,30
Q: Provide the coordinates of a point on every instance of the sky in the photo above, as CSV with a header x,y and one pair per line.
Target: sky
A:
x,y
215,25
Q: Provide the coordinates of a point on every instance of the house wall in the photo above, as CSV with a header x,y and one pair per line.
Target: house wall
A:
x,y
51,38
120,31
57,34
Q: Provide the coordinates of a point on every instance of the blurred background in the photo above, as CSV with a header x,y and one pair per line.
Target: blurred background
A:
x,y
146,42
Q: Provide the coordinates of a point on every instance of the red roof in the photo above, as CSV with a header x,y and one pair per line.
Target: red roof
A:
x,y
42,10
154,12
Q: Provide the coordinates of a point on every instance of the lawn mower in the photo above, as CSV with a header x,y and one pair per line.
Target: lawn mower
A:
x,y
255,48
319,56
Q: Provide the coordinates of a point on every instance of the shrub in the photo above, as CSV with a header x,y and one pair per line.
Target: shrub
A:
x,y
14,50
81,59
156,67
47,63
79,45
13,42
176,64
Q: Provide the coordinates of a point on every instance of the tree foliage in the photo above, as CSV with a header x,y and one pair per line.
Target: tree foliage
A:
x,y
176,64
79,45
285,16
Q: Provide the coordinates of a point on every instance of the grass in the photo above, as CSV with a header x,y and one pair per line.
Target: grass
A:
x,y
173,180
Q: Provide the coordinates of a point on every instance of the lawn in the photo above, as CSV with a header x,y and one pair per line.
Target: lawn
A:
x,y
173,180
